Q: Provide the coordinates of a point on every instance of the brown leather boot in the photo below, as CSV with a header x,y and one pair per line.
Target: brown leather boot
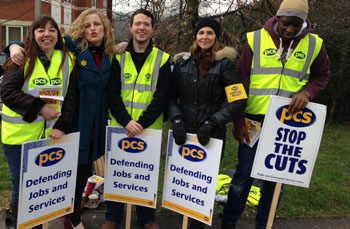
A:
x,y
153,225
109,225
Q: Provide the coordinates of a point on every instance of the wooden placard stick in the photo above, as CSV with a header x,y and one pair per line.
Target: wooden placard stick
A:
x,y
100,166
273,207
128,216
184,222
45,225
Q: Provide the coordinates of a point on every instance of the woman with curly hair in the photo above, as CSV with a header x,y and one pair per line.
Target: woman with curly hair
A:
x,y
91,40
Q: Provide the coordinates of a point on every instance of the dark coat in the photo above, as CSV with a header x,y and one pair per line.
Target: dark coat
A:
x,y
92,113
198,99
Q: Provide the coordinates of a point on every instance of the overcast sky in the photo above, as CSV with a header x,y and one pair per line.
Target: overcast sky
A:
x,y
215,6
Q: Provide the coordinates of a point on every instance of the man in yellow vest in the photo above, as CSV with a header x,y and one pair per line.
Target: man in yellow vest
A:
x,y
139,92
284,59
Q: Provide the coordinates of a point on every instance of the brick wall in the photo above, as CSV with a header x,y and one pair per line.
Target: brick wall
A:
x,y
22,12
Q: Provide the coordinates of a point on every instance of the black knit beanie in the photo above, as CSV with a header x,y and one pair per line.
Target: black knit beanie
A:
x,y
208,22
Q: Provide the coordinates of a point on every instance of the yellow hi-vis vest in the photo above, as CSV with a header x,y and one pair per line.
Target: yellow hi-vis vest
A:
x,y
137,90
268,75
223,184
14,130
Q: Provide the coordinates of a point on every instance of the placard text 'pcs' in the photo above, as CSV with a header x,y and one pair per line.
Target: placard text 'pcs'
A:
x,y
132,145
300,119
192,153
50,157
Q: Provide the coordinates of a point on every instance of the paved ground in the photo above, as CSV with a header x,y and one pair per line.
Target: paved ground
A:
x,y
95,218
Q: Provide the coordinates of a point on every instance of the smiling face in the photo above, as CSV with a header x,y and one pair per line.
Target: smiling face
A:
x,y
94,29
289,26
205,38
46,38
141,28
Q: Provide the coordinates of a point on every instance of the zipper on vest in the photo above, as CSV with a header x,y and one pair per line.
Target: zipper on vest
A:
x,y
132,97
279,83
42,134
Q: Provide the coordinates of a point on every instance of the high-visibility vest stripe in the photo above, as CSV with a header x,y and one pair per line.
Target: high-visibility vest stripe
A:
x,y
65,78
25,89
137,94
271,91
270,77
136,105
13,122
65,81
278,70
288,72
142,87
19,119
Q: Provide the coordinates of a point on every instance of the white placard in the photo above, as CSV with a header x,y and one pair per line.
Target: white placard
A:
x,y
288,145
132,166
190,177
48,176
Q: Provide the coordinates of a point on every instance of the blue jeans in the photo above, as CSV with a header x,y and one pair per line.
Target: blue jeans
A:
x,y
115,213
13,156
240,187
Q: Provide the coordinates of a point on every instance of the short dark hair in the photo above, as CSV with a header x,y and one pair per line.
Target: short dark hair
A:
x,y
142,11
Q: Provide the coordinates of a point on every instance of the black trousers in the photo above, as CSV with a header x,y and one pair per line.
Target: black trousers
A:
x,y
83,173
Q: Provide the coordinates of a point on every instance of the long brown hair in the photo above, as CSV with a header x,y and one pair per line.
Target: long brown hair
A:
x,y
31,47
207,58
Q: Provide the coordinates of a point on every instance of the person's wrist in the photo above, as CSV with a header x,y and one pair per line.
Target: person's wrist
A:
x,y
212,122
308,95
11,46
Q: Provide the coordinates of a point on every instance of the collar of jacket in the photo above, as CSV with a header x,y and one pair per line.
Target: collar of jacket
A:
x,y
227,52
130,47
85,60
98,49
272,21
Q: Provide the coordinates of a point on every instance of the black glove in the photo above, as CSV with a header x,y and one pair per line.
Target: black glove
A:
x,y
205,131
179,131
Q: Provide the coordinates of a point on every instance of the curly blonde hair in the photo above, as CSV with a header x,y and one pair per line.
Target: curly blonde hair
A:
x,y
76,31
